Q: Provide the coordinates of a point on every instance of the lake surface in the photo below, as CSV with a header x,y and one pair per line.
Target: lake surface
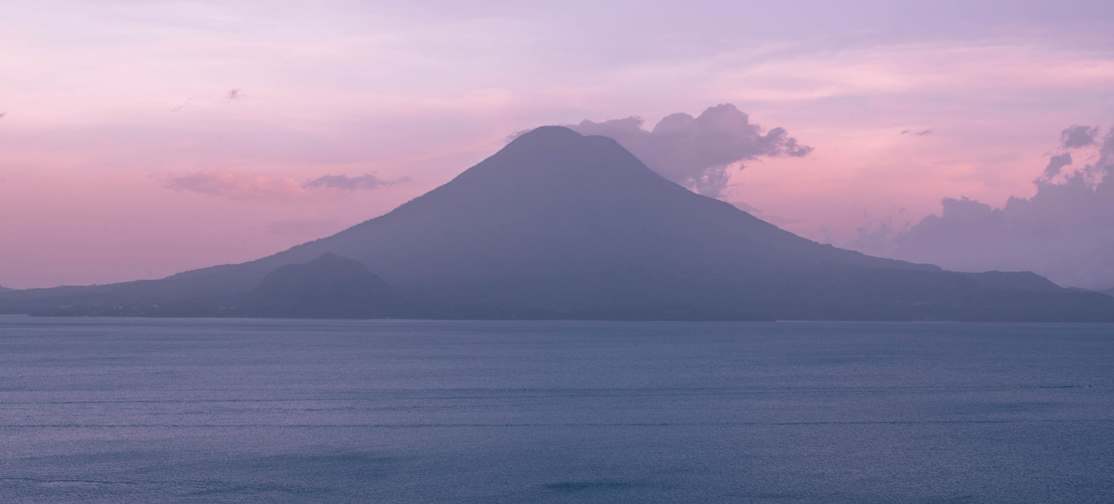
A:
x,y
215,411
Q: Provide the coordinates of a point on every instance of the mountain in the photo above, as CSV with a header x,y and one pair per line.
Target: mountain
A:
x,y
560,225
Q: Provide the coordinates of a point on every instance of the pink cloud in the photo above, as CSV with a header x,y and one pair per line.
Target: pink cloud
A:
x,y
235,185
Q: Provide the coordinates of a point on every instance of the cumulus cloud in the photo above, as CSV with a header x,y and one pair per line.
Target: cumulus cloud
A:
x,y
1056,164
246,186
1074,137
349,182
1065,231
697,151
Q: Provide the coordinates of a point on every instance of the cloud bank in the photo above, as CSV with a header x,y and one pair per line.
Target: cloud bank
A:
x,y
697,151
1065,231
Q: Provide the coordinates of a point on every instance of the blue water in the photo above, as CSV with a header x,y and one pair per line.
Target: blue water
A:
x,y
215,411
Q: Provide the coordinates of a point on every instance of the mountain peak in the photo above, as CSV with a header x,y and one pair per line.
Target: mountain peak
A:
x,y
548,134
551,139
556,156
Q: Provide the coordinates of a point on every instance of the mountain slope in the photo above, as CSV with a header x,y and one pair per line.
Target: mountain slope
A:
x,y
559,225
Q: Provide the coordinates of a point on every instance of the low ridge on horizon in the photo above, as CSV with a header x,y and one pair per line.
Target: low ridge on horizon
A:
x,y
561,225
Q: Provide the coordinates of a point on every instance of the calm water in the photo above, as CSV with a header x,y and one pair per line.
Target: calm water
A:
x,y
204,411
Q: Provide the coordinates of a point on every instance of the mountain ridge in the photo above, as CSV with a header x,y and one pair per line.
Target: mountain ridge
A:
x,y
561,225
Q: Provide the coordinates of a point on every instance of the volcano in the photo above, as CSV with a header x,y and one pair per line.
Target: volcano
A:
x,y
558,225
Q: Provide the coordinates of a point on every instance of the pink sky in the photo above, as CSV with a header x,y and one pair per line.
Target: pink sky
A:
x,y
125,154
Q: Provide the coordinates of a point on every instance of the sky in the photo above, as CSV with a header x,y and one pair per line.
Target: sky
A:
x,y
143,138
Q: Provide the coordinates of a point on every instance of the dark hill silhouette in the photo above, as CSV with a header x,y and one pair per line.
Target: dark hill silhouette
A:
x,y
329,286
560,225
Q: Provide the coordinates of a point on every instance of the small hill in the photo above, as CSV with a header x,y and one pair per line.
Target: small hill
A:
x,y
329,286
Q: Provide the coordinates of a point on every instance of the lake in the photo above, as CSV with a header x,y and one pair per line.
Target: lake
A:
x,y
215,411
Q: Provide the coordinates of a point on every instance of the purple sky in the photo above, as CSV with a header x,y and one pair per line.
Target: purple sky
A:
x,y
142,138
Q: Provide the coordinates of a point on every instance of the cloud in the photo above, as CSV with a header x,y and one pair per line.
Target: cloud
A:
x,y
234,94
235,185
1065,231
1056,163
923,132
246,186
697,151
1074,137
349,182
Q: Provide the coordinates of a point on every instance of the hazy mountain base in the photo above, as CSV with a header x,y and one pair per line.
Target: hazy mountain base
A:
x,y
953,296
562,226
